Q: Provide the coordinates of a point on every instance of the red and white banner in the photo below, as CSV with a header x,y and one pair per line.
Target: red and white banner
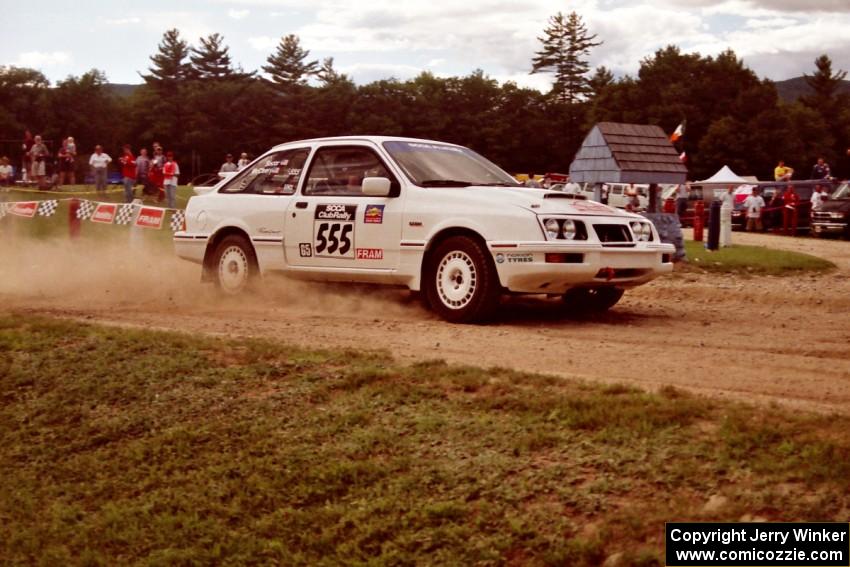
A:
x,y
104,213
23,208
150,217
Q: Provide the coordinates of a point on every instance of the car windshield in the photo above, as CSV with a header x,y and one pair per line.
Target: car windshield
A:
x,y
843,192
441,165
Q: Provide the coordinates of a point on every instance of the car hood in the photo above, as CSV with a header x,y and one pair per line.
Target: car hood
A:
x,y
837,206
541,201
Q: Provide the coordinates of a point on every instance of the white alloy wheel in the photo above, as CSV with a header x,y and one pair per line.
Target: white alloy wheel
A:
x,y
233,269
457,279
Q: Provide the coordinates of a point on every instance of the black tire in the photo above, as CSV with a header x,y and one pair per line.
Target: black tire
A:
x,y
592,299
461,284
234,265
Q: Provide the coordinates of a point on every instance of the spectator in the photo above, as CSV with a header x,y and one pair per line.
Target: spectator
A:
x,y
6,173
820,170
26,163
155,175
243,161
777,208
790,201
783,172
682,200
99,162
67,162
128,173
633,202
532,182
170,173
727,204
817,198
143,167
754,204
228,165
38,155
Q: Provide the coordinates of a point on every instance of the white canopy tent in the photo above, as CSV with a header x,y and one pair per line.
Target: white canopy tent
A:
x,y
726,176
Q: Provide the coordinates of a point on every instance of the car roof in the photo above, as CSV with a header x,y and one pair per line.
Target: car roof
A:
x,y
369,138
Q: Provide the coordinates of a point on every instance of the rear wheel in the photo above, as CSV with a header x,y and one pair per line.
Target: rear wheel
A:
x,y
234,265
592,299
461,283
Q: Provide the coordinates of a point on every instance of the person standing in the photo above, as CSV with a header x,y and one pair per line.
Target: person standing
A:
x,y
820,170
170,174
727,203
155,175
228,165
790,202
817,198
143,167
6,173
783,172
38,156
99,162
243,161
754,204
128,173
26,162
682,200
67,162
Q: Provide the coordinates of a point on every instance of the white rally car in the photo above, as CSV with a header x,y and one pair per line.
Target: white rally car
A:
x,y
427,215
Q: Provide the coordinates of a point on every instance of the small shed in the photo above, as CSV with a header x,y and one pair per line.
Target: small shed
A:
x,y
627,153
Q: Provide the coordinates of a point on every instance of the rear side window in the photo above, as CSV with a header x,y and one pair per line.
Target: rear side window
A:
x,y
275,174
340,171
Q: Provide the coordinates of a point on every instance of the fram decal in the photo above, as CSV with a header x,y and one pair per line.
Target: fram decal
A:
x,y
105,213
305,249
26,209
374,214
150,217
370,253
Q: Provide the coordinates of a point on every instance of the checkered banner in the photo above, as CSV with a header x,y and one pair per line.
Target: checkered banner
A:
x,y
125,214
177,218
2,210
48,208
85,210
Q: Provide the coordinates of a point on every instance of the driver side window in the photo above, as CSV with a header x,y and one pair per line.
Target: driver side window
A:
x,y
275,174
339,171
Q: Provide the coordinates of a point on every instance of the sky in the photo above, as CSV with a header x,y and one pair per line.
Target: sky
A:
x,y
778,39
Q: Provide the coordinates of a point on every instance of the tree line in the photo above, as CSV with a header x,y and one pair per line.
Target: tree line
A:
x,y
198,103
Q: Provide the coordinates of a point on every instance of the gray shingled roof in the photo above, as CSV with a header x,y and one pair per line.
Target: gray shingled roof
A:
x,y
627,153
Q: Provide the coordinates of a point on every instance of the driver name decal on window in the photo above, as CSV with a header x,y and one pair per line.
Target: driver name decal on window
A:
x,y
333,230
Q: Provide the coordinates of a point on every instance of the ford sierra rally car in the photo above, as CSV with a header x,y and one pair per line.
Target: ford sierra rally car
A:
x,y
432,216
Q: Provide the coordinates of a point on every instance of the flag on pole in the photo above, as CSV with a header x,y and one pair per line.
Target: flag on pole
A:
x,y
678,133
683,157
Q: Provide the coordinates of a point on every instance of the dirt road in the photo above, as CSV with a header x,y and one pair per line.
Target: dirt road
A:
x,y
764,339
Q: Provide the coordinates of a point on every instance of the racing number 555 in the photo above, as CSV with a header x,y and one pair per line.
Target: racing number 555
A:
x,y
331,243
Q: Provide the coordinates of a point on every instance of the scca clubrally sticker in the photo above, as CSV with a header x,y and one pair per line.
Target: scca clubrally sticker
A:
x,y
333,231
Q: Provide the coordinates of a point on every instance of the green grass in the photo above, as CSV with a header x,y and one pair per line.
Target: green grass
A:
x,y
138,447
754,260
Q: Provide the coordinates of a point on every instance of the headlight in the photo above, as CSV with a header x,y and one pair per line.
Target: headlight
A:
x,y
642,231
552,229
836,215
569,229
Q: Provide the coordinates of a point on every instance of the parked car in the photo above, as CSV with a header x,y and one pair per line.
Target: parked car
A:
x,y
772,217
426,215
833,217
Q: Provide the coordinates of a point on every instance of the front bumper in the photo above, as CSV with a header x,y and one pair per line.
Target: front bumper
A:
x,y
828,227
523,268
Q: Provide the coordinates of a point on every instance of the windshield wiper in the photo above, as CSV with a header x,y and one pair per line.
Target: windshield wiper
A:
x,y
499,184
445,183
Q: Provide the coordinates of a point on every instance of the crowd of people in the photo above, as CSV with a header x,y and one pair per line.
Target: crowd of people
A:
x,y
157,174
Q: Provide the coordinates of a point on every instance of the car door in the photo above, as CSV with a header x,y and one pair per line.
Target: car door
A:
x,y
259,196
332,225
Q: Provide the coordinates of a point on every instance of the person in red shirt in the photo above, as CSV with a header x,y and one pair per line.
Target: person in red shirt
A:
x,y
128,171
789,212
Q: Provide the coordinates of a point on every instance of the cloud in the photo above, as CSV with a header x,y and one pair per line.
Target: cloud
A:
x,y
37,59
368,72
802,6
263,42
238,14
122,21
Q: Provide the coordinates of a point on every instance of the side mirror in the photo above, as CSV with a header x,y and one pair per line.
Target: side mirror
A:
x,y
376,186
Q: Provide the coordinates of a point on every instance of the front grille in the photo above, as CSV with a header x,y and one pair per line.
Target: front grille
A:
x,y
819,216
612,233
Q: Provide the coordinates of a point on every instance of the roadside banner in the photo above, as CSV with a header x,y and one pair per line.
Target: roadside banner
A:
x,y
48,208
23,209
125,214
150,217
85,210
177,218
104,213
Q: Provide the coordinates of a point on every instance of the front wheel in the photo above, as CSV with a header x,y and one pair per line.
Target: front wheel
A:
x,y
234,265
461,283
592,299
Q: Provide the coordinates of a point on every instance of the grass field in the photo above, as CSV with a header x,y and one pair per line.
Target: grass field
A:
x,y
752,260
138,447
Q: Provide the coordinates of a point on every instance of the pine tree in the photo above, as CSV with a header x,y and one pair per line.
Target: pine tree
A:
x,y
824,83
169,63
212,60
564,48
288,66
327,74
601,78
